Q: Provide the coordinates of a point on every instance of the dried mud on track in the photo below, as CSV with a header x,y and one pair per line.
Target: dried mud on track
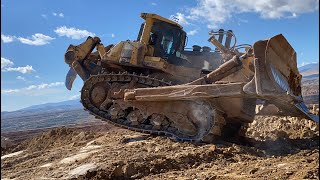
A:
x,y
278,148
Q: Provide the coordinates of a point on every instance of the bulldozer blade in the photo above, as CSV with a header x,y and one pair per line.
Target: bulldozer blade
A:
x,y
71,76
278,79
303,108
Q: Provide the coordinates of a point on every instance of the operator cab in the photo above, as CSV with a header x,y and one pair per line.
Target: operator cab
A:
x,y
166,40
165,36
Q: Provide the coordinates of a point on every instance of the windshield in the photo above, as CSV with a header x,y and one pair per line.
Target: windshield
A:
x,y
166,38
167,42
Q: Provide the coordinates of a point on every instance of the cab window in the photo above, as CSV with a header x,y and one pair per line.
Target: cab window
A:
x,y
167,42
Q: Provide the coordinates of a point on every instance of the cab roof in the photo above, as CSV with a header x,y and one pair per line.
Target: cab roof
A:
x,y
159,18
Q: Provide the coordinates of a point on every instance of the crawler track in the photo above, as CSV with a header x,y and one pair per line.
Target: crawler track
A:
x,y
145,124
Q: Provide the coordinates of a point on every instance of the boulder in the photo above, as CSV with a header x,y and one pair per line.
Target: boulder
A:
x,y
5,142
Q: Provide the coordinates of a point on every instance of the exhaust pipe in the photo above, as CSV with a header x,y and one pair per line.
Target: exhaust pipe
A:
x,y
228,39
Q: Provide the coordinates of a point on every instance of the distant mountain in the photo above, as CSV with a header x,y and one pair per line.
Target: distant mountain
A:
x,y
311,77
310,83
58,105
45,116
44,108
310,71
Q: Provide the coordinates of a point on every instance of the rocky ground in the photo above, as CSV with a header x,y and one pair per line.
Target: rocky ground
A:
x,y
276,148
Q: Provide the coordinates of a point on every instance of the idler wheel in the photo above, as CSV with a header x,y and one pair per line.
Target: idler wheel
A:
x,y
98,94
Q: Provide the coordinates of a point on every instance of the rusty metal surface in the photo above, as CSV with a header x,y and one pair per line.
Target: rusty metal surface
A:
x,y
283,64
185,92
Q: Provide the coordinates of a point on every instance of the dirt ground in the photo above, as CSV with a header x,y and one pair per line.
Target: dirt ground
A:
x,y
276,148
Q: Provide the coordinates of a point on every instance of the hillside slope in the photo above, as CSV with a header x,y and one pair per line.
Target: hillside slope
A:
x,y
279,148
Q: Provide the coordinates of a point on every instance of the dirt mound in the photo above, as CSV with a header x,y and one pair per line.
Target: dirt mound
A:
x,y
56,137
5,143
71,153
272,127
167,160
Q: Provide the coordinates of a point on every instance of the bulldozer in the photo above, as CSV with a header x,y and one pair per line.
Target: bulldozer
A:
x,y
156,85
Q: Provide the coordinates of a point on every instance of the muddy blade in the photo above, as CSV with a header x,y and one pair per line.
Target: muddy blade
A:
x,y
278,79
304,109
71,76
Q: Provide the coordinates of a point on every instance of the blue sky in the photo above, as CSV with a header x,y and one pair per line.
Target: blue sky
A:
x,y
35,35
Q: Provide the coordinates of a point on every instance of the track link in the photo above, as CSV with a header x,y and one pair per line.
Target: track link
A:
x,y
126,78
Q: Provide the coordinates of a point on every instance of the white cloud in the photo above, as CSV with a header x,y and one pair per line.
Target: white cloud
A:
x,y
5,63
44,86
216,12
24,70
113,35
153,4
182,19
6,66
58,14
192,32
36,39
44,16
243,20
38,77
21,78
294,15
72,32
9,91
306,63
32,88
74,97
7,38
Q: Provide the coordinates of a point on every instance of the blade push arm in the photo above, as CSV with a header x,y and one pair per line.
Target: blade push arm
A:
x,y
75,56
82,51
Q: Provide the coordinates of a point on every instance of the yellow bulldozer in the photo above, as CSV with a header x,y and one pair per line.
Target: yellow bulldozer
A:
x,y
156,85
